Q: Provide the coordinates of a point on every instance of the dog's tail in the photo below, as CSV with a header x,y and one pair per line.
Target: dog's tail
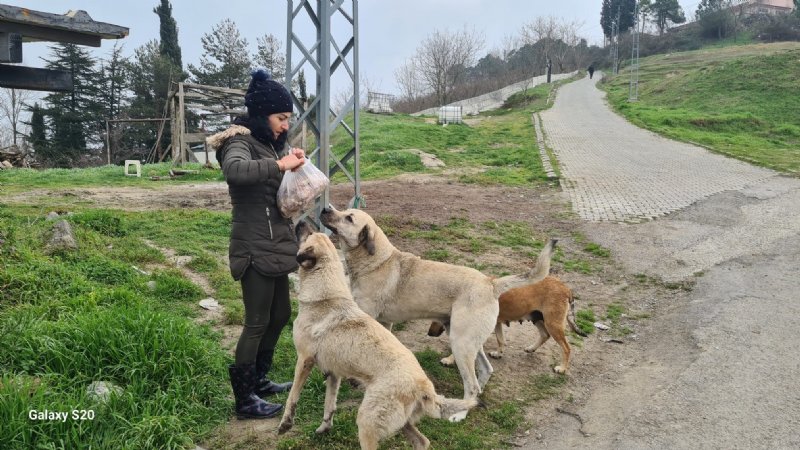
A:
x,y
534,275
452,409
571,316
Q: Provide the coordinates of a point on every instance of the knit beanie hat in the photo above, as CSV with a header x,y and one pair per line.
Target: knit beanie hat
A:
x,y
266,96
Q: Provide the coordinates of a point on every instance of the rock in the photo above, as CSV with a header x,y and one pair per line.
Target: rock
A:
x,y
101,390
601,326
52,216
151,285
427,159
143,272
209,303
62,240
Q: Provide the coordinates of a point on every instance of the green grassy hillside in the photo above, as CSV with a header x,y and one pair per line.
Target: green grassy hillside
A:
x,y
740,101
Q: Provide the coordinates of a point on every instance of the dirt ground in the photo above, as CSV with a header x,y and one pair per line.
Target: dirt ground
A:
x,y
436,200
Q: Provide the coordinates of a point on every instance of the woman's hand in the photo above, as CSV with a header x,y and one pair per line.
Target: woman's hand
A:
x,y
299,152
290,162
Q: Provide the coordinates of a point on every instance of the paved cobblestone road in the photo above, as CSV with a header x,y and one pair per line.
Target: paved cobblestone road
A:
x,y
615,171
717,367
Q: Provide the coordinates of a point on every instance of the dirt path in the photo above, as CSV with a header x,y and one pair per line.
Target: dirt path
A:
x,y
422,201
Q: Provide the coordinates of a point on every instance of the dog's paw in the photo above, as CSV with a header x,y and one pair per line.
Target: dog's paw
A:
x,y
559,369
323,428
286,425
496,355
448,361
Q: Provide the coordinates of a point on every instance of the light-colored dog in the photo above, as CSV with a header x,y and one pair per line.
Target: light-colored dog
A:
x,y
333,333
549,304
394,286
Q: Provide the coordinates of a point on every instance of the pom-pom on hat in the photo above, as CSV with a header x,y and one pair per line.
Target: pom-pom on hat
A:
x,y
266,96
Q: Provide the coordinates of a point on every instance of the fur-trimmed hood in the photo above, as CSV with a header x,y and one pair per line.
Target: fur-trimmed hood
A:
x,y
216,141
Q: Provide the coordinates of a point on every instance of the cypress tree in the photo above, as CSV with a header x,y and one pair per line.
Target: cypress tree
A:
x,y
38,135
168,30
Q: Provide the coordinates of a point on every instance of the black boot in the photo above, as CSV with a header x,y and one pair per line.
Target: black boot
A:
x,y
248,404
264,386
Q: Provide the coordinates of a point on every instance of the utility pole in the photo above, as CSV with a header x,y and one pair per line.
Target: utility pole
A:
x,y
325,55
615,47
633,90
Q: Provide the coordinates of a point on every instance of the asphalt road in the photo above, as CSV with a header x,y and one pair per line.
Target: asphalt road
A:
x,y
719,368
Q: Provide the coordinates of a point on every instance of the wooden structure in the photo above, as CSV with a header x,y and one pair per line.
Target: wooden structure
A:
x,y
205,101
18,25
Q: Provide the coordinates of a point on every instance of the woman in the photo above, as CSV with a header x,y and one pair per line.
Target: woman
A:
x,y
254,155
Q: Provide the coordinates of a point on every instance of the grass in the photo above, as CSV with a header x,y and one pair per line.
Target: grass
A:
x,y
69,319
20,180
495,147
739,101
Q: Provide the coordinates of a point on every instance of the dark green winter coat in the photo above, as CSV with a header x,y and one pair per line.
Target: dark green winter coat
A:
x,y
260,236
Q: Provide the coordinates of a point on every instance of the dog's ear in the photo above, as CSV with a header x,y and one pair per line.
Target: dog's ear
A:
x,y
367,236
303,230
307,258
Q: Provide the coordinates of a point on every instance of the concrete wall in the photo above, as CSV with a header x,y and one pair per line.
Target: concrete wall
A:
x,y
494,100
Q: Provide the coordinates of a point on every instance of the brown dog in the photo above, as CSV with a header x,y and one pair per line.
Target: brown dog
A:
x,y
548,304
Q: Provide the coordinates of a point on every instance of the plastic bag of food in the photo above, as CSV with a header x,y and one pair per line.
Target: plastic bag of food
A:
x,y
300,188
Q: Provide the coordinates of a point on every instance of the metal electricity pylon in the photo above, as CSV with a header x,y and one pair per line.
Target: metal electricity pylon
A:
x,y
633,90
325,55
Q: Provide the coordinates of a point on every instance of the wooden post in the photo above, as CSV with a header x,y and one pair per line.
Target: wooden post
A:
x,y
173,127
181,127
108,144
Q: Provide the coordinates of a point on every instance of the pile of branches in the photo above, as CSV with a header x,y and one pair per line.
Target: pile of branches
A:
x,y
11,157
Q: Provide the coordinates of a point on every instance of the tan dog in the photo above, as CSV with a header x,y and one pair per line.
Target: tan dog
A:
x,y
548,304
394,286
333,333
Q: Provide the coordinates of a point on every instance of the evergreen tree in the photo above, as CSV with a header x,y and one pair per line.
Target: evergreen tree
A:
x,y
74,117
301,86
270,56
665,11
608,14
168,30
38,135
225,61
715,17
113,82
149,75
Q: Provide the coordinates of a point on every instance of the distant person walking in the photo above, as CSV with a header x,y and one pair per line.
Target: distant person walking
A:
x,y
591,71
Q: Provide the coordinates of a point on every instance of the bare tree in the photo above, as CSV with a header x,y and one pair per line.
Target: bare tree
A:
x,y
567,41
11,103
543,31
443,58
408,80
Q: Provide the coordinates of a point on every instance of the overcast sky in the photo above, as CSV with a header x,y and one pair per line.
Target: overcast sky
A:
x,y
390,30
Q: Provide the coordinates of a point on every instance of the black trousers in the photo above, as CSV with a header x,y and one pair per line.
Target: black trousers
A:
x,y
267,310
